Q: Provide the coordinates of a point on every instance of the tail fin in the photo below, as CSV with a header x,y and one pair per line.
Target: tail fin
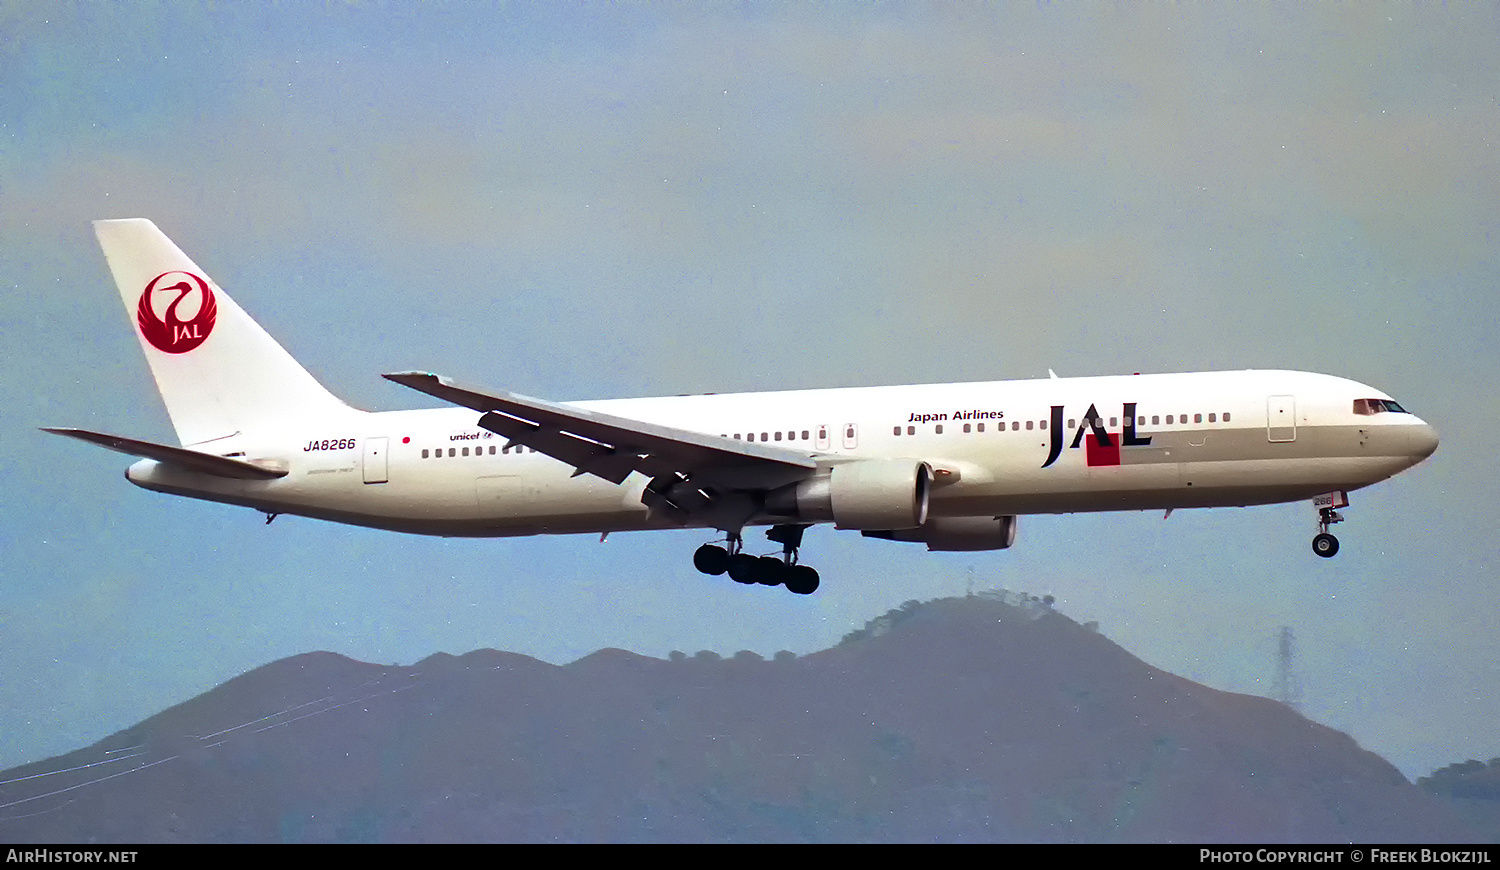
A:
x,y
219,373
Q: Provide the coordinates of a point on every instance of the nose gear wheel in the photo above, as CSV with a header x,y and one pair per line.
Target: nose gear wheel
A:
x,y
1325,544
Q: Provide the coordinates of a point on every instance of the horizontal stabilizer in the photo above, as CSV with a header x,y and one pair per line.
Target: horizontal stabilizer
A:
x,y
206,463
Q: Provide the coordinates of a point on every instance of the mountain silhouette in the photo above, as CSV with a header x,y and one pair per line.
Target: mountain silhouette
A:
x,y
985,718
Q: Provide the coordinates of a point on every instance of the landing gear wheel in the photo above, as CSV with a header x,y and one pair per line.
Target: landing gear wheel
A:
x,y
711,559
802,580
743,568
1326,545
770,571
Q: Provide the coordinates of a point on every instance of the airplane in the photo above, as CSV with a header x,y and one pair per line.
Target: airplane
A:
x,y
951,466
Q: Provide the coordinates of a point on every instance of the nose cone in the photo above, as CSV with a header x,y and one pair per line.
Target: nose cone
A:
x,y
1422,441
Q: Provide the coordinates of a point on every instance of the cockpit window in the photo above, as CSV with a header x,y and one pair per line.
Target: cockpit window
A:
x,y
1368,407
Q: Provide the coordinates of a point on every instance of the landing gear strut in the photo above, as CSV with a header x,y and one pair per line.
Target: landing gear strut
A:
x,y
1325,544
764,570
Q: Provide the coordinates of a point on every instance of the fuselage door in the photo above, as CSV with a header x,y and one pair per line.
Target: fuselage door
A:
x,y
1281,418
375,460
823,441
851,436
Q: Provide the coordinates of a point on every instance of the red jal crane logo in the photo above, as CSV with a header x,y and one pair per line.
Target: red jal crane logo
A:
x,y
172,333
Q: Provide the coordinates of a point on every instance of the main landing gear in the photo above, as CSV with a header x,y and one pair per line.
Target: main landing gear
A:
x,y
765,570
1324,544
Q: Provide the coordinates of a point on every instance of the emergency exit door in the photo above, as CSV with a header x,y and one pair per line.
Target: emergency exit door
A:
x,y
1281,418
375,460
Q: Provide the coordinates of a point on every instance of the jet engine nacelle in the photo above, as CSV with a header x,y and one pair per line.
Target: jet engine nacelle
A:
x,y
868,494
956,533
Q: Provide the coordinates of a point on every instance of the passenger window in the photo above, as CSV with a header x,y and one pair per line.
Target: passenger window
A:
x,y
804,435
1041,424
939,428
1213,418
981,427
911,430
1155,420
896,430
1015,426
1197,418
967,428
1028,425
1226,416
1113,422
452,451
424,453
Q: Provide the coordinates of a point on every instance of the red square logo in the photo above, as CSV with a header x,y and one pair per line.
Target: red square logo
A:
x,y
1098,454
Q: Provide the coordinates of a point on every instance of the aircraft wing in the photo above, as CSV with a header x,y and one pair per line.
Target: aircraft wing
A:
x,y
207,463
612,447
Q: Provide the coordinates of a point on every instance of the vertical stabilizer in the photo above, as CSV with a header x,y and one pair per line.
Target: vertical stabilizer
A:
x,y
218,371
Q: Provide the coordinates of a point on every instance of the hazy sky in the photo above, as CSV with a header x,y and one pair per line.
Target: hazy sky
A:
x,y
666,198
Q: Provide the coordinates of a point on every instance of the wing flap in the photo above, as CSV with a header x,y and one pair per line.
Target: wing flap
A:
x,y
207,463
585,455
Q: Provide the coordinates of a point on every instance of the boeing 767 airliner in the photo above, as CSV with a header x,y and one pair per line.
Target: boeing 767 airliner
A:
x,y
946,465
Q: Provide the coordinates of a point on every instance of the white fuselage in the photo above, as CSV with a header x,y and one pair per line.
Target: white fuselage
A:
x,y
1198,440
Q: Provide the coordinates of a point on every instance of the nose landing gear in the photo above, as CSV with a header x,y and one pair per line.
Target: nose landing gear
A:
x,y
1325,544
